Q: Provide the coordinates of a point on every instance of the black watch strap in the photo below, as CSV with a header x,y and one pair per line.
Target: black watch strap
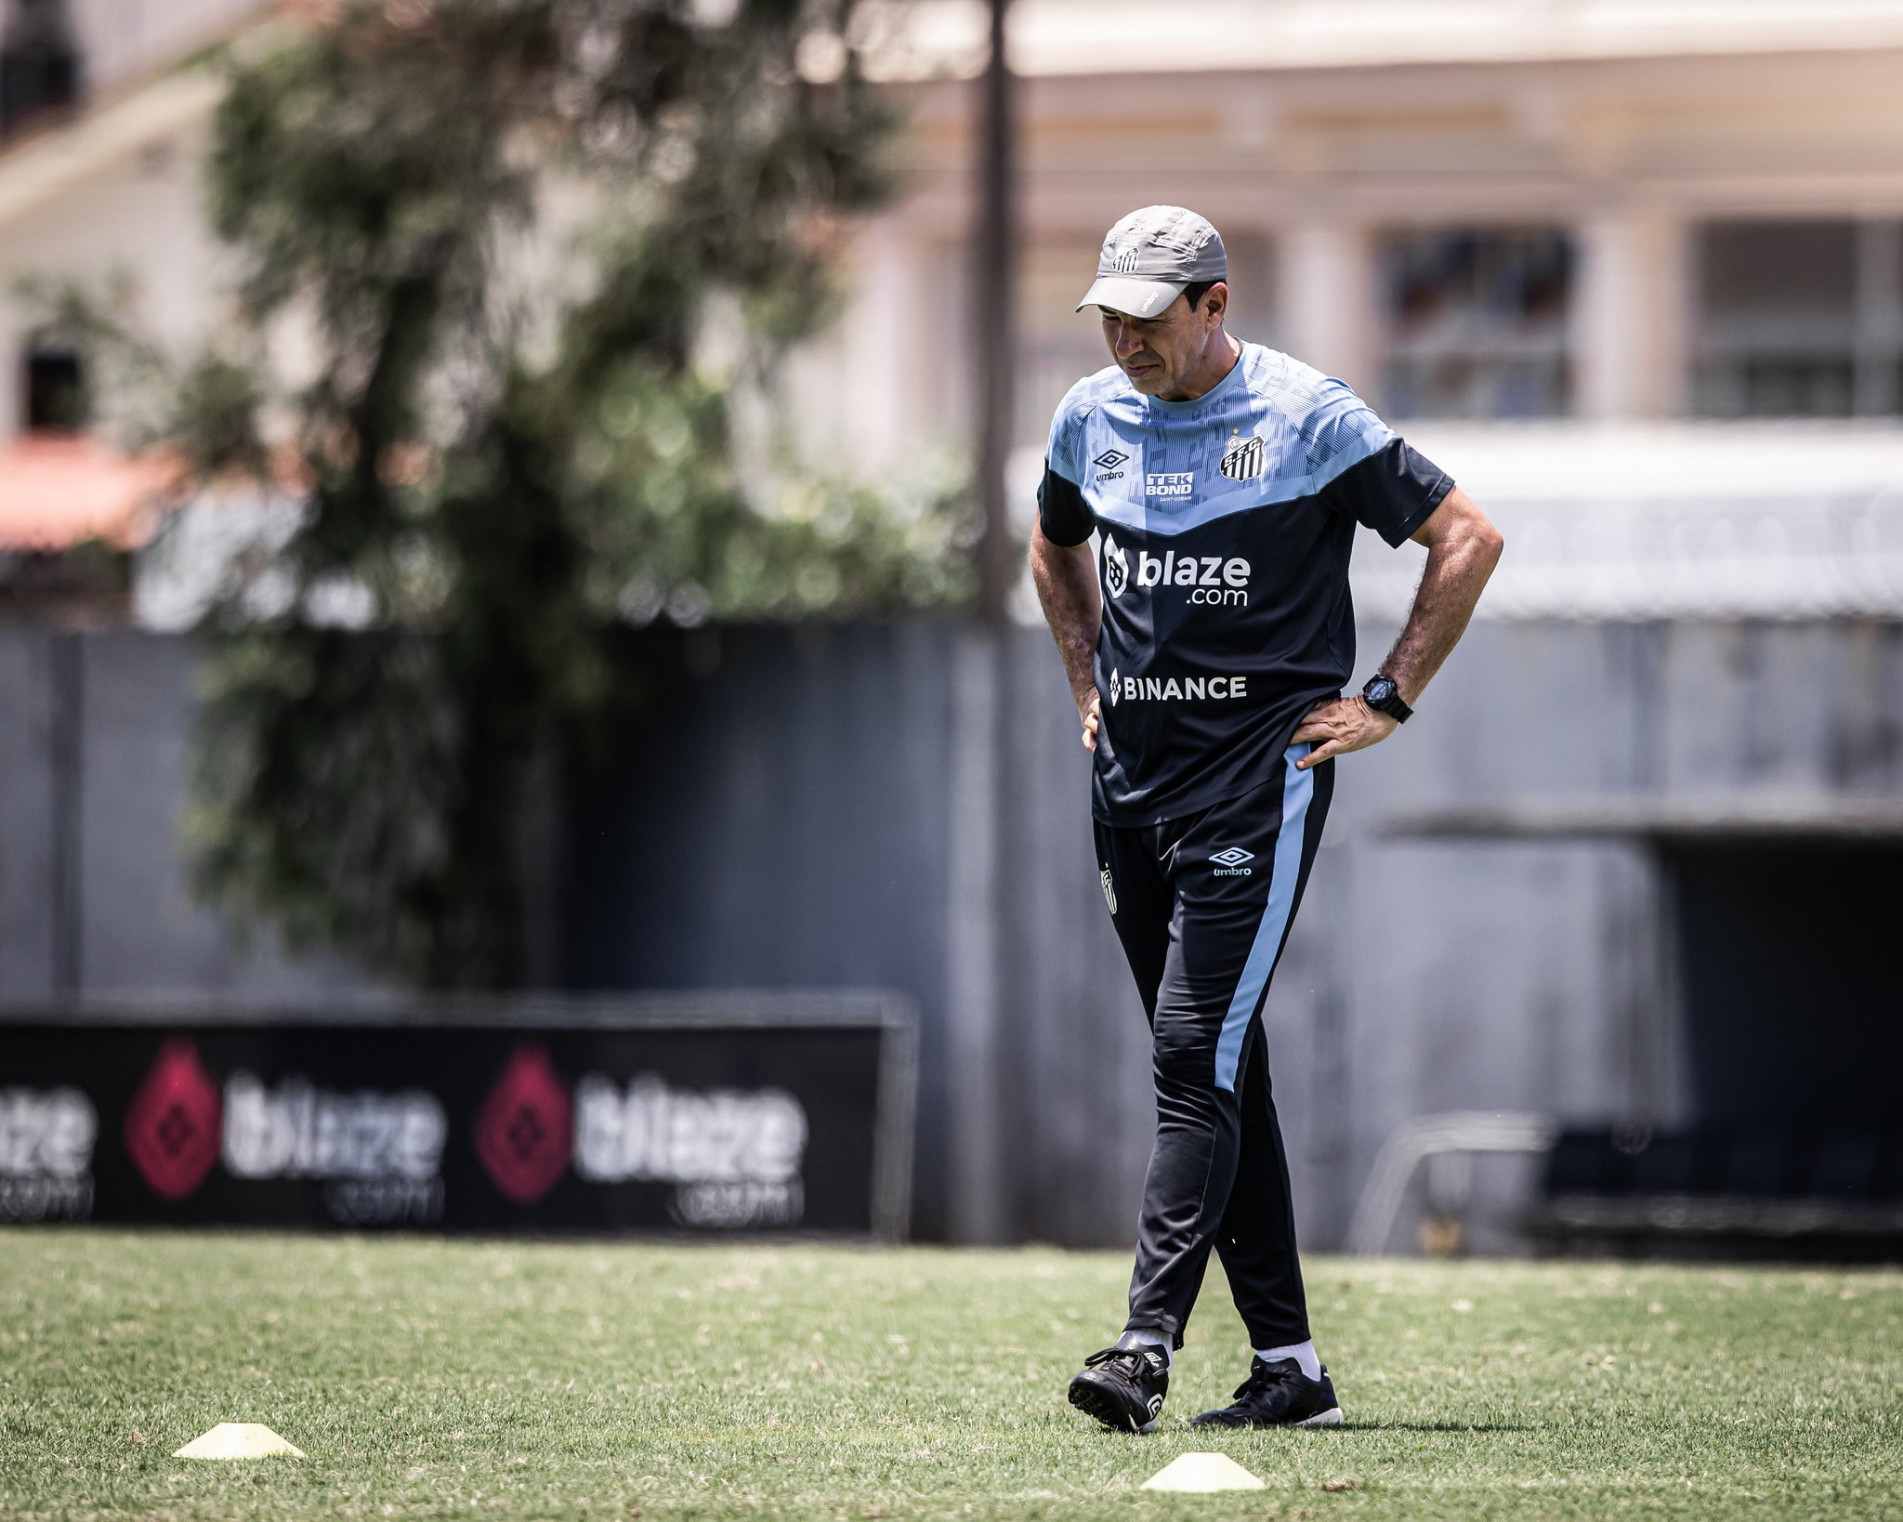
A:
x,y
1384,697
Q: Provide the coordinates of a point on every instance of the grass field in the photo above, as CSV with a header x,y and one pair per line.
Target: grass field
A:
x,y
429,1378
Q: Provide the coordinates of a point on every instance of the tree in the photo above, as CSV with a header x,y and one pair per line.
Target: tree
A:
x,y
501,233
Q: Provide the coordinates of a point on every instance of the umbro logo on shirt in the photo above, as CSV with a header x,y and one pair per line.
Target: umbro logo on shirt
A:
x,y
1229,863
1107,464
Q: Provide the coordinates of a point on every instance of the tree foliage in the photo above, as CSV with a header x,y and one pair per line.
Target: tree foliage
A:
x,y
498,234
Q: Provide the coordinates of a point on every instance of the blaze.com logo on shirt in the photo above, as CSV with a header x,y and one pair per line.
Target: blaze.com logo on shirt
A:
x,y
1209,579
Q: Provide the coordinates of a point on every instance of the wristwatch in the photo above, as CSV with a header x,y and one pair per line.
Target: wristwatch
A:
x,y
1384,697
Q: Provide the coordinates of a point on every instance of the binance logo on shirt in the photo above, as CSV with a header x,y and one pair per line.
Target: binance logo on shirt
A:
x,y
1159,689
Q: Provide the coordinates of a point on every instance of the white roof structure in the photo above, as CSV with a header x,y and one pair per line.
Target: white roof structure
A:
x,y
102,138
1671,520
1050,38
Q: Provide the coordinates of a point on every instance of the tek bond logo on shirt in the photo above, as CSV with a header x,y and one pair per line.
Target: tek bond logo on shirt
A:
x,y
1210,580
1172,483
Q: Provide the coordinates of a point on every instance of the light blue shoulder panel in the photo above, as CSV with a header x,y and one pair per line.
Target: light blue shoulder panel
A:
x,y
1157,466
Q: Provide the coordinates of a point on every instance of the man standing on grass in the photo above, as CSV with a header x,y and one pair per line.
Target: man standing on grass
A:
x,y
1224,482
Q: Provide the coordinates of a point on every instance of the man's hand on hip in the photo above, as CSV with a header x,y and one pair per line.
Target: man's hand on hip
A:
x,y
1462,550
1337,727
1090,712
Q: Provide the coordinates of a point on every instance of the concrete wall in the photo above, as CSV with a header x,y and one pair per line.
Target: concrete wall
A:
x,y
813,809
905,807
94,890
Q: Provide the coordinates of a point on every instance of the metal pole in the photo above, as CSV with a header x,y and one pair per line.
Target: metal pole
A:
x,y
66,673
977,1194
994,318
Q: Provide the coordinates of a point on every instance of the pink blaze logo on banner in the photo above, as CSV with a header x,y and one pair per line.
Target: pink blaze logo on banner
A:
x,y
172,1123
526,1127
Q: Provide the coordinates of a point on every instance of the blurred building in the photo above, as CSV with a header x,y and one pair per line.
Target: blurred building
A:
x,y
1632,272
1497,209
100,141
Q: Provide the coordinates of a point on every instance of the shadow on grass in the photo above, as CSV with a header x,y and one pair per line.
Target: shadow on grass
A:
x,y
1429,1427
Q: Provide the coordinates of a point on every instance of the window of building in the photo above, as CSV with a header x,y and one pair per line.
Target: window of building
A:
x,y
55,389
1477,322
39,63
1798,319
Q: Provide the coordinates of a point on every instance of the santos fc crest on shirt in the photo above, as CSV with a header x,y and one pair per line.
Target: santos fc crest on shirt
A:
x,y
1244,460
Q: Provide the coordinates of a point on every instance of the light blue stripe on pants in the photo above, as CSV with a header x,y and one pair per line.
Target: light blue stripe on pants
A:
x,y
1297,789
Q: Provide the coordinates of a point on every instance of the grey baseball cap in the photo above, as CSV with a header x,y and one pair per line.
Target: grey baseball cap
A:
x,y
1150,256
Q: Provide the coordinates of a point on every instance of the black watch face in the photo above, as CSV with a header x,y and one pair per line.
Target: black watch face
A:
x,y
1380,690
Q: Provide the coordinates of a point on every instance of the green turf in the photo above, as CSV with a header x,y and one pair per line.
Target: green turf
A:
x,y
429,1378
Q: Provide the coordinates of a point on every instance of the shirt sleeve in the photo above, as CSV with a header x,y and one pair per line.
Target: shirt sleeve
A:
x,y
1393,491
1062,511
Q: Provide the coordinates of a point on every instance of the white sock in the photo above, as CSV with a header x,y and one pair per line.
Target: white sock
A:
x,y
1302,1352
1151,1337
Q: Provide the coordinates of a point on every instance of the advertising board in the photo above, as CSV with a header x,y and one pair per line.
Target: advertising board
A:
x,y
691,1113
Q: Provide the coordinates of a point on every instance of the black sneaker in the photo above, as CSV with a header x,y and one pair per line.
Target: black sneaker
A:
x,y
1277,1394
1123,1387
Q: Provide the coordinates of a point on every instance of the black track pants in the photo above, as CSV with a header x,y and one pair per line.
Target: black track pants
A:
x,y
1203,905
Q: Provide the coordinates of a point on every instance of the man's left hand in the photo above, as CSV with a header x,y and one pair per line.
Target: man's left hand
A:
x,y
1337,727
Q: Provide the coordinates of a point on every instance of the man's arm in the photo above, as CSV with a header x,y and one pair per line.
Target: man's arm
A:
x,y
1066,577
1462,549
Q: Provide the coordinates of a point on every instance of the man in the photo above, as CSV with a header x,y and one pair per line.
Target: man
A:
x,y
1224,482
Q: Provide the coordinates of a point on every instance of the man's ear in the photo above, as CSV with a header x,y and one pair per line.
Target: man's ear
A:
x,y
1216,302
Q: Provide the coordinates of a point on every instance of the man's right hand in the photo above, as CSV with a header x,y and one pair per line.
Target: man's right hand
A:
x,y
1066,580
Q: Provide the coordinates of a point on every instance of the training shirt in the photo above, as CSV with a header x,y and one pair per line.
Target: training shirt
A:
x,y
1224,529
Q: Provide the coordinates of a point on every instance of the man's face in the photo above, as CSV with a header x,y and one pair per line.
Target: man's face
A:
x,y
1161,353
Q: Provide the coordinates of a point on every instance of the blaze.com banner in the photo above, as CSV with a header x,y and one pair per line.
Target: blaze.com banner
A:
x,y
427,1126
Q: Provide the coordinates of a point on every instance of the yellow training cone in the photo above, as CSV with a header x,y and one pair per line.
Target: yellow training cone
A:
x,y
237,1440
1202,1471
